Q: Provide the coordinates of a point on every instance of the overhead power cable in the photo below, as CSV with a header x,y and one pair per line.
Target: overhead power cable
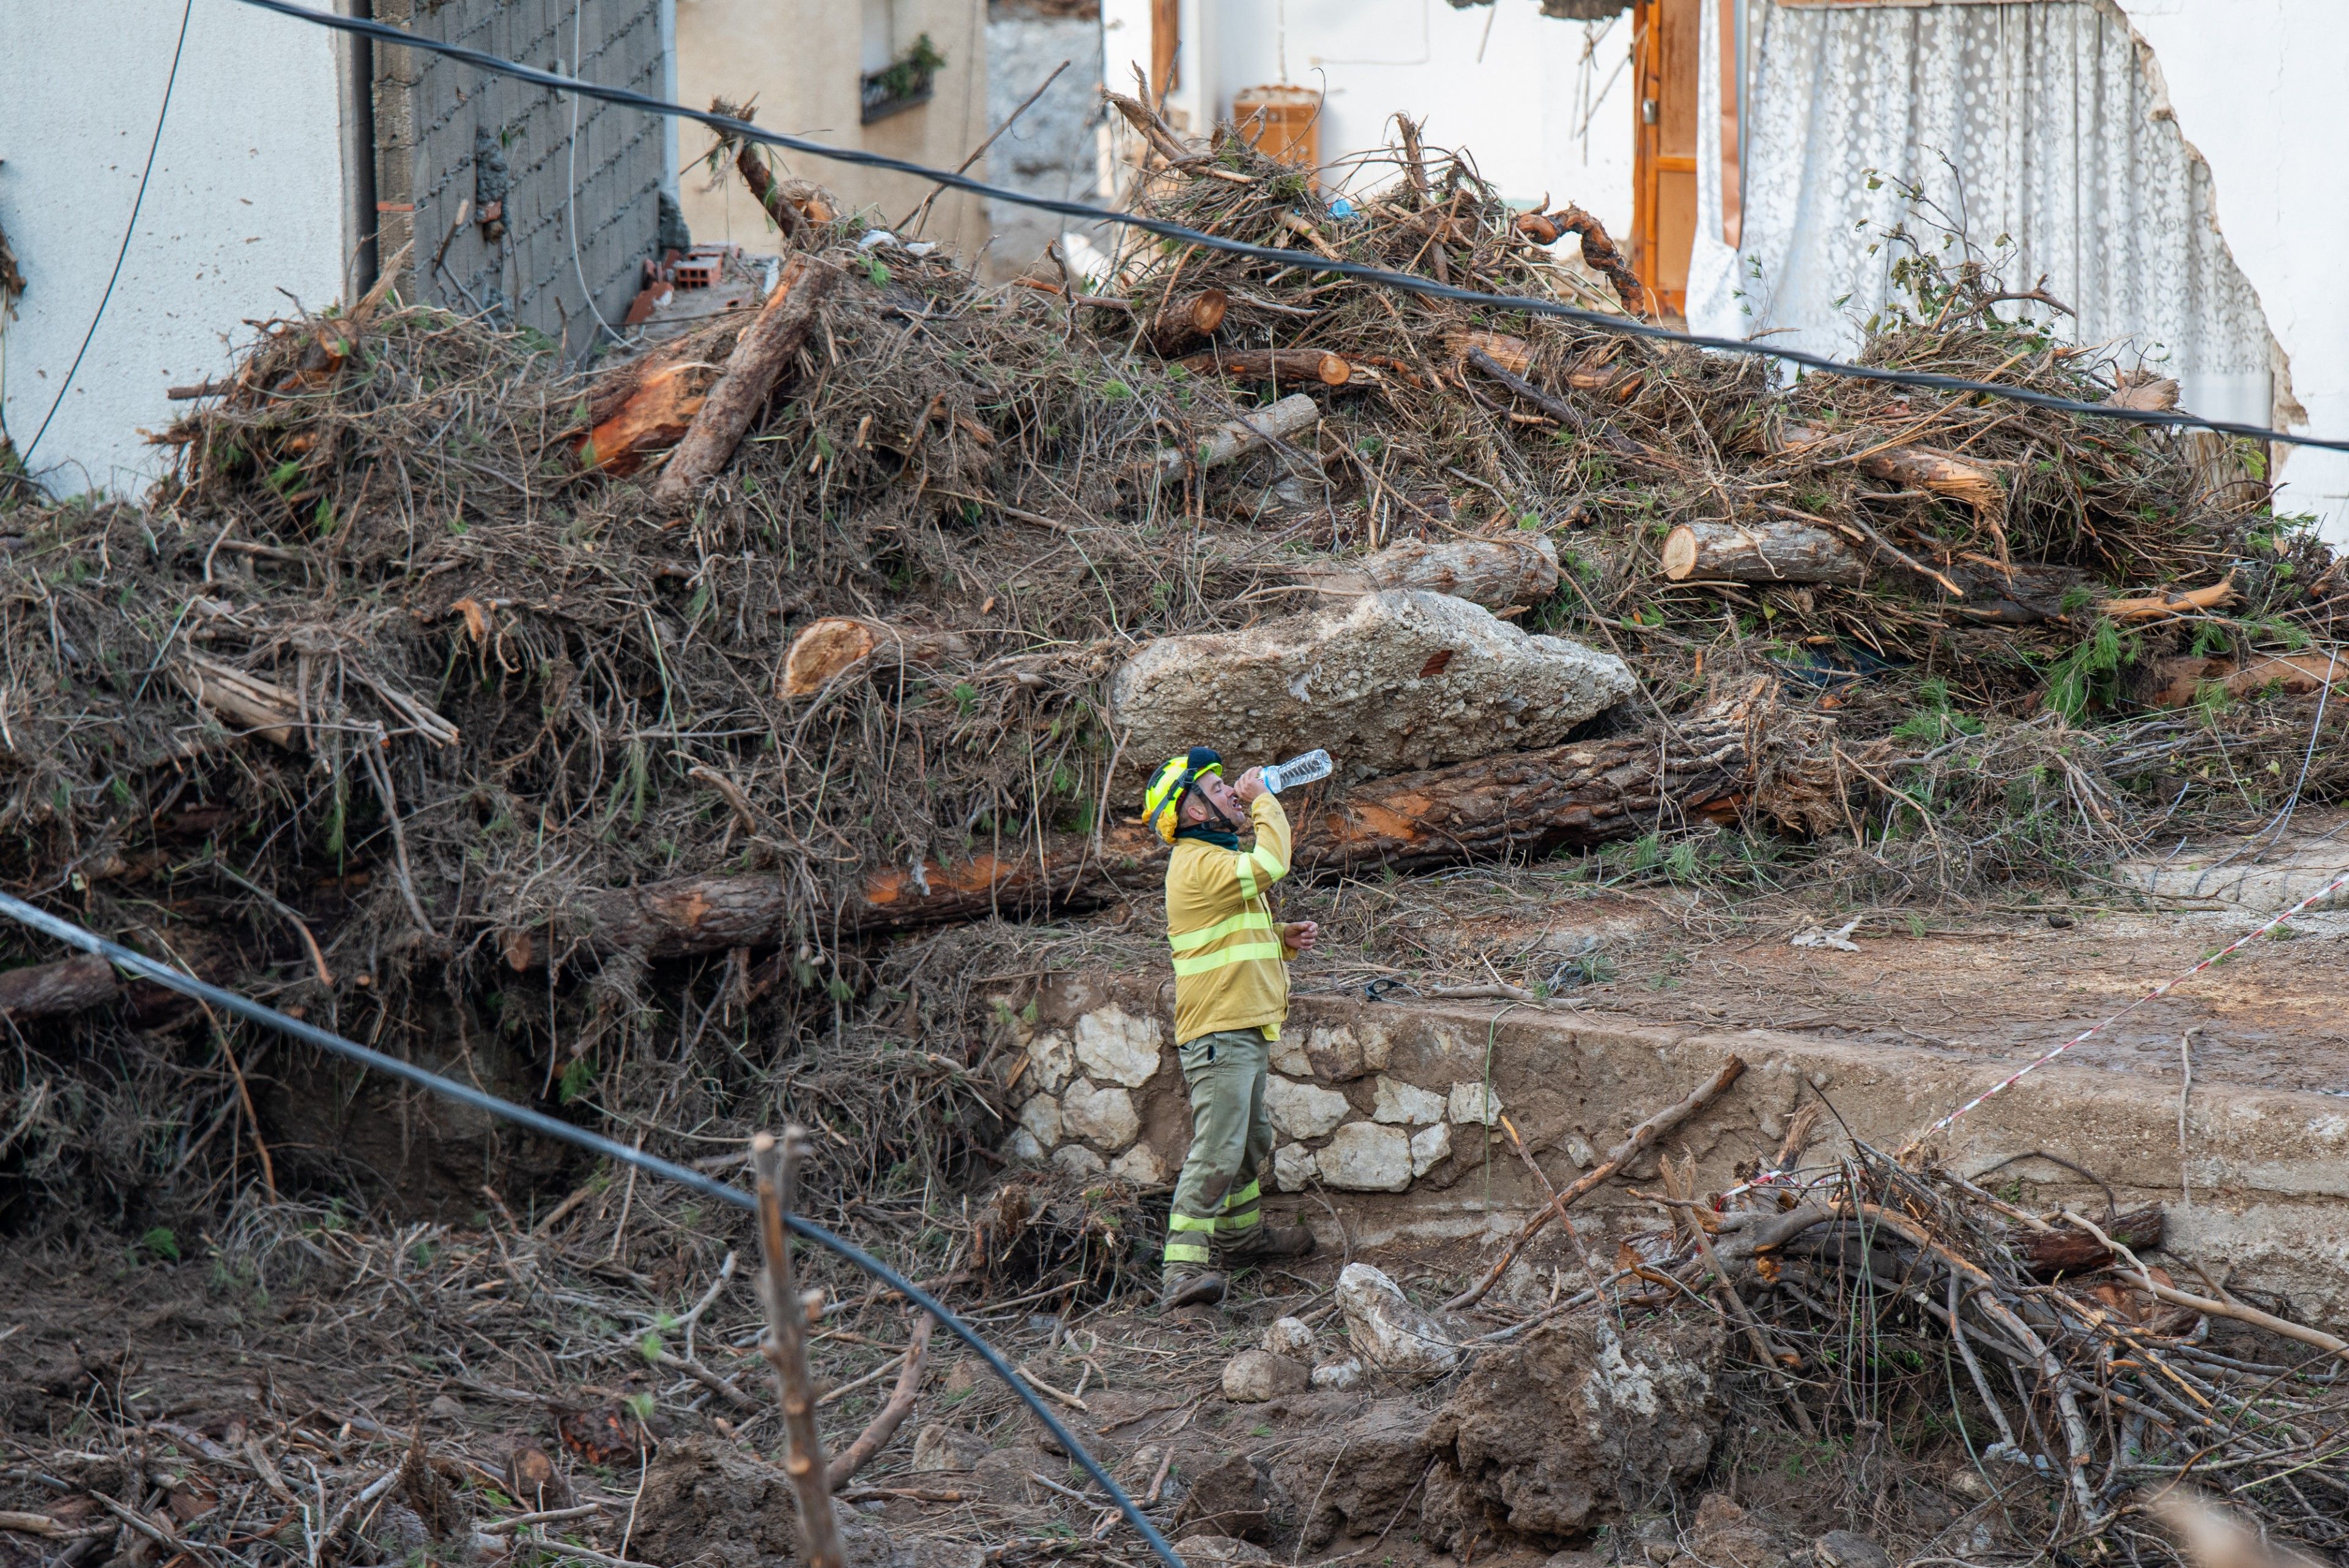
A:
x,y
1598,321
539,1122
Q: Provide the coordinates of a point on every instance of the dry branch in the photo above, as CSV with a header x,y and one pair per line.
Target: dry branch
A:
x,y
1642,1137
1291,365
825,648
1760,552
1186,320
884,1426
785,1348
762,355
1499,574
1292,416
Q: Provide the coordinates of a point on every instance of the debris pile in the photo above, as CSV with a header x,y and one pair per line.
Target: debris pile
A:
x,y
587,731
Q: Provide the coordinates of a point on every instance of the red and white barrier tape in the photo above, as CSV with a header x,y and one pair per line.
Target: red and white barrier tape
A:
x,y
2158,991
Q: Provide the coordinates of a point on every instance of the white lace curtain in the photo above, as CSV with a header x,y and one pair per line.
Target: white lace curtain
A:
x,y
2037,121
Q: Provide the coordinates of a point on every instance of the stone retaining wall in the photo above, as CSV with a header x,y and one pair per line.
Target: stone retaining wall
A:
x,y
1401,1116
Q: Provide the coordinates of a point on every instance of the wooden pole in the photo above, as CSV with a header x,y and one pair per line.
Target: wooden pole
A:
x,y
785,1348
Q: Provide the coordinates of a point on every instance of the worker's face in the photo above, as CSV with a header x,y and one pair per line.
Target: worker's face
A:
x,y
1211,800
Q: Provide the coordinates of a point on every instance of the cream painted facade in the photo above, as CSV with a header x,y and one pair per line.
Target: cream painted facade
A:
x,y
802,62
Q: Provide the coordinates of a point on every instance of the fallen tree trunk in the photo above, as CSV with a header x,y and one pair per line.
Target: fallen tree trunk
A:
x,y
647,404
794,206
52,989
1777,551
762,355
1594,791
1499,574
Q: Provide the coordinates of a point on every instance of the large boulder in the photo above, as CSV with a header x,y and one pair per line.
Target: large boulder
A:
x,y
1584,1423
1401,680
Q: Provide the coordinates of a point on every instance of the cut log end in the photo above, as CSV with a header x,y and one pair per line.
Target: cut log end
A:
x,y
822,651
1680,553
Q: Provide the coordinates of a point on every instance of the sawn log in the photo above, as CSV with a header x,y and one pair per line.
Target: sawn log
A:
x,y
53,990
1774,551
1499,574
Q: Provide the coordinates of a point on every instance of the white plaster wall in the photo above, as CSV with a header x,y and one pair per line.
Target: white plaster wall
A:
x,y
246,199
2256,86
1516,99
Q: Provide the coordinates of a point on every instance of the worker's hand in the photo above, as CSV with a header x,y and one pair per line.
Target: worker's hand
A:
x,y
1300,935
1251,786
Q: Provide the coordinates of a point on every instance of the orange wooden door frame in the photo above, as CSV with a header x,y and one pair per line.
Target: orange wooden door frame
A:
x,y
1664,61
1663,156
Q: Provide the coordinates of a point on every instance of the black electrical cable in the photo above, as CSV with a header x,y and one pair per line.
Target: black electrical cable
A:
x,y
540,1122
1621,325
129,229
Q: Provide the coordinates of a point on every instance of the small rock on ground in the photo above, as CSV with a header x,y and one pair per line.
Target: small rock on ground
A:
x,y
1253,1376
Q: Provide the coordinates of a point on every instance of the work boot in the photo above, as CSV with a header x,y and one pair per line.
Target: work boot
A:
x,y
1193,1288
1269,1243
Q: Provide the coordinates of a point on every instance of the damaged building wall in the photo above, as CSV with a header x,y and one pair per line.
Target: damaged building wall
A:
x,y
2049,133
806,66
1052,149
248,198
2254,85
569,206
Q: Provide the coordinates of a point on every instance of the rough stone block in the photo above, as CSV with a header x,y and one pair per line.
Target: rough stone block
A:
x,y
1025,1148
1114,1044
1303,1110
1140,1165
1398,681
1102,1116
1408,1103
1288,1056
1074,1160
1366,1157
1290,1337
1042,1116
1340,1374
1293,1167
1474,1102
1388,1332
1051,1061
1429,1148
1344,1053
1583,1421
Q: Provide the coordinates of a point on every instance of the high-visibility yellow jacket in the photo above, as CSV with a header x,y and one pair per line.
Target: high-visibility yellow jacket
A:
x,y
1230,963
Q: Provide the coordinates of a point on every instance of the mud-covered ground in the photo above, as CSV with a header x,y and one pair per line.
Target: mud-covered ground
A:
x,y
273,1380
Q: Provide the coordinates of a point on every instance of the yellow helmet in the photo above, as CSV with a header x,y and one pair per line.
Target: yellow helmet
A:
x,y
1161,803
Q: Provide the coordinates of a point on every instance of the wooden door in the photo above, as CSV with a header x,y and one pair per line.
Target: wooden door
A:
x,y
1664,166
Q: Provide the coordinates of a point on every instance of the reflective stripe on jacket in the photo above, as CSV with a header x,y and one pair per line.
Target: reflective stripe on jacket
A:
x,y
1230,969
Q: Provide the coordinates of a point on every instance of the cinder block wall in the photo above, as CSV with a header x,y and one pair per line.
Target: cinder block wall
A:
x,y
432,115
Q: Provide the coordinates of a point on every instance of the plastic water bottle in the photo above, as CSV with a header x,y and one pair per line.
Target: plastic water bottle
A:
x,y
1315,764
